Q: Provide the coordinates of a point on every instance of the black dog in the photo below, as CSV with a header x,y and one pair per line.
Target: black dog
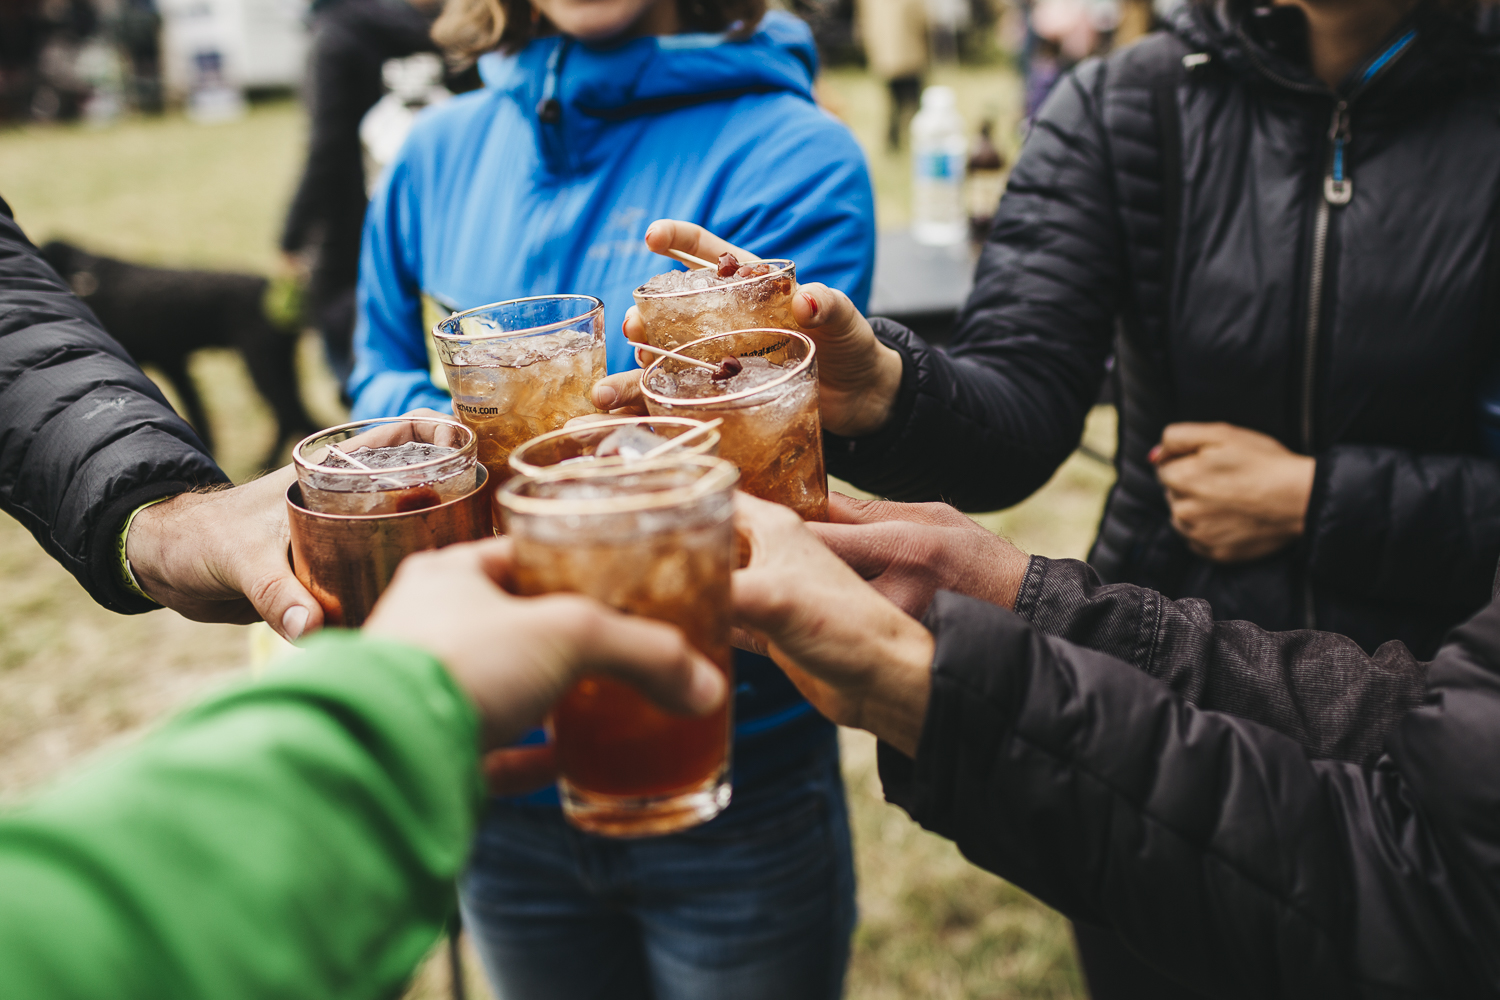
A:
x,y
161,316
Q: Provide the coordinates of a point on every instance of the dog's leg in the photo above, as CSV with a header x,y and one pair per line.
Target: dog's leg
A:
x,y
177,373
271,356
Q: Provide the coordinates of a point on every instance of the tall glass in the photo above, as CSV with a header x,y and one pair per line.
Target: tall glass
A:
x,y
385,466
772,429
653,539
521,368
625,437
700,303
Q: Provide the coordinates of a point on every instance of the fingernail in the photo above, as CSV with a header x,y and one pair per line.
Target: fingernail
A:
x,y
294,621
1153,454
812,303
605,397
649,230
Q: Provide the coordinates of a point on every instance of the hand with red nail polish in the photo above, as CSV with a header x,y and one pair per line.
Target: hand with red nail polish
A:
x,y
858,376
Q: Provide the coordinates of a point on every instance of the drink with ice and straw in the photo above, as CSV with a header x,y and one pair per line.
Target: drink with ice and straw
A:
x,y
764,385
521,368
678,307
628,438
653,538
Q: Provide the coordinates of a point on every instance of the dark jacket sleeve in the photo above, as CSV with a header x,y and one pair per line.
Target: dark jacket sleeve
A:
x,y
1321,689
985,422
85,436
1391,525
1214,846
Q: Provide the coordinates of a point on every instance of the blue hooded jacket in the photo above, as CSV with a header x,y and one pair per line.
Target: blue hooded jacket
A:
x,y
488,201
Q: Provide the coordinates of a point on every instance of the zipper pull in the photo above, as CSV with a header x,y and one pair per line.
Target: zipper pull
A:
x,y
1337,187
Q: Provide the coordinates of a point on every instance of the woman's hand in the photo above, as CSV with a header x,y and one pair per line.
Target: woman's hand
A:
x,y
858,376
910,551
858,658
1235,494
515,656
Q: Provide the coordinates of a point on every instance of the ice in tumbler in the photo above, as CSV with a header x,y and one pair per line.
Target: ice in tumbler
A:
x,y
650,538
385,466
678,307
522,368
630,438
765,387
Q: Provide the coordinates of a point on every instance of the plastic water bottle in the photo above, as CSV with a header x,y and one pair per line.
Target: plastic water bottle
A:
x,y
939,149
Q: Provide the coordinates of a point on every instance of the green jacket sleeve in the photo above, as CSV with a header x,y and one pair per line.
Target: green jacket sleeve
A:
x,y
294,837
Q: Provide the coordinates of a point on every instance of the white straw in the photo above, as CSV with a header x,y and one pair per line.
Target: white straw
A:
x,y
688,258
682,438
679,357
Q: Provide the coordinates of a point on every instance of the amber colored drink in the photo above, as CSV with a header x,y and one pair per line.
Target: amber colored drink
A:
x,y
521,368
650,538
630,438
678,307
772,429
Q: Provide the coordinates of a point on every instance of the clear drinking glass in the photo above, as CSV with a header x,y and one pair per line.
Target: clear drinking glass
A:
x,y
389,465
627,437
706,304
650,538
772,429
521,368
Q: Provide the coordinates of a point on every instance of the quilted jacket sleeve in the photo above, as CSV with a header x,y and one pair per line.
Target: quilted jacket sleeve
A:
x,y
1392,525
1214,846
985,422
85,436
1321,689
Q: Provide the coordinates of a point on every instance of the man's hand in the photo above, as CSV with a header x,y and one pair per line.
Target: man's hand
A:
x,y
515,656
221,556
1235,494
910,551
858,376
856,656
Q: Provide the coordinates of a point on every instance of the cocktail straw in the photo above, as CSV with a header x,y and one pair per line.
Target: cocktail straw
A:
x,y
679,357
682,439
688,258
341,453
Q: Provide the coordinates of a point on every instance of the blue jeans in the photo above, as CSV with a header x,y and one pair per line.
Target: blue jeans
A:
x,y
757,904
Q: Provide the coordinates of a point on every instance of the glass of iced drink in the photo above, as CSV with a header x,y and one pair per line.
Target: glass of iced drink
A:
x,y
652,538
678,307
521,368
765,387
628,438
389,465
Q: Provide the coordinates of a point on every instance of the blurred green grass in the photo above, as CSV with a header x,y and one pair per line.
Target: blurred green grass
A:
x,y
74,678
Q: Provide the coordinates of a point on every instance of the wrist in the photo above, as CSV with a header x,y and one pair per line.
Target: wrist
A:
x,y
873,405
894,705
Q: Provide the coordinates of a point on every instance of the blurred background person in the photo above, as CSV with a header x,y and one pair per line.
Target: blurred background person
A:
x,y
595,118
894,33
352,40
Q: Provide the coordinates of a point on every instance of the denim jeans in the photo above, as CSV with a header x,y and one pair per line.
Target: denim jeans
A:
x,y
757,904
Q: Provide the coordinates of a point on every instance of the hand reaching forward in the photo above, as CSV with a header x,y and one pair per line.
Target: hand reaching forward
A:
x,y
858,658
910,551
221,556
1235,494
858,376
515,656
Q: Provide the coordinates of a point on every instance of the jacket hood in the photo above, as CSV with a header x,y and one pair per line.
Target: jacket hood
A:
x,y
658,73
1270,43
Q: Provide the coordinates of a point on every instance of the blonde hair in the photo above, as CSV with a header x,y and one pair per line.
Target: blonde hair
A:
x,y
467,29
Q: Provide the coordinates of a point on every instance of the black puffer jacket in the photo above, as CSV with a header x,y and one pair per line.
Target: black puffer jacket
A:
x,y
1219,850
1190,209
85,436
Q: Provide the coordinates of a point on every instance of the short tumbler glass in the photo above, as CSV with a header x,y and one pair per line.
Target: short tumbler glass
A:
x,y
772,431
389,465
521,368
679,317
654,539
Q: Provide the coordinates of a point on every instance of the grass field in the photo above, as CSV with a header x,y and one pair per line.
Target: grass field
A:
x,y
75,679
